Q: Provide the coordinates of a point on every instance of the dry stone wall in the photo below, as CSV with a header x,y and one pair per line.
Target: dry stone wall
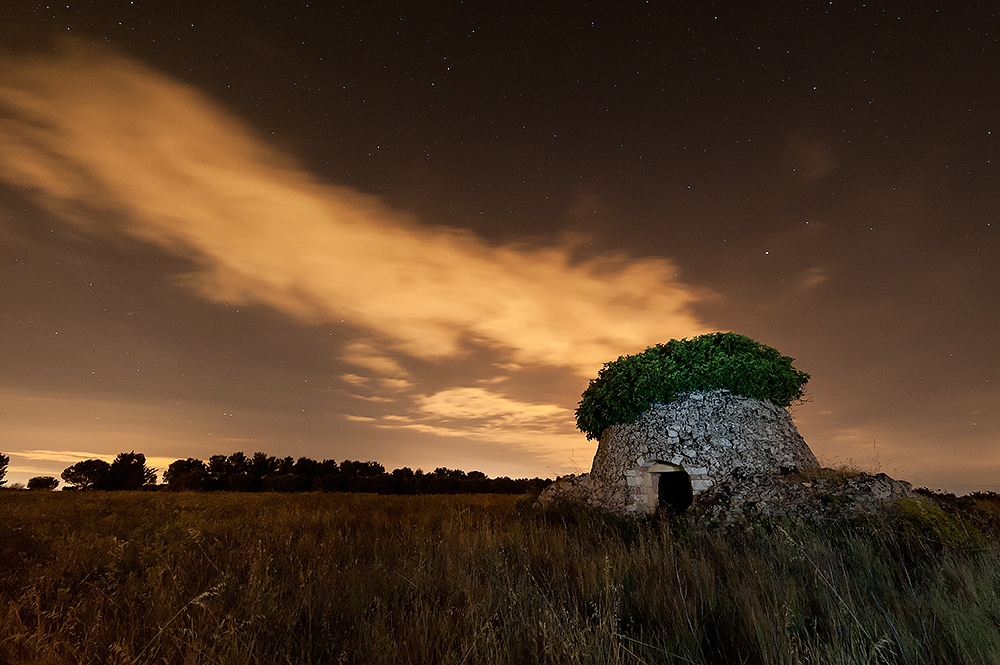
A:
x,y
712,436
744,457
827,493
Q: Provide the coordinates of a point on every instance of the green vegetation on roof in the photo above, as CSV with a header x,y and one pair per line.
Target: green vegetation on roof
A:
x,y
628,386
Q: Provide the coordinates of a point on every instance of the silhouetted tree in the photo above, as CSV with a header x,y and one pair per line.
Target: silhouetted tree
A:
x,y
262,472
187,474
326,476
237,462
4,461
450,473
306,468
218,466
43,483
86,475
231,473
287,482
128,472
328,466
262,465
352,468
242,482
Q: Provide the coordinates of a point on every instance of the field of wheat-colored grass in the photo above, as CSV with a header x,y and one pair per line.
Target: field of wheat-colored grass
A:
x,y
116,578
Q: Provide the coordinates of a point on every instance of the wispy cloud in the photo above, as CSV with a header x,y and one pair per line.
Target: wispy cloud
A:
x,y
363,354
544,430
479,403
96,136
360,419
66,456
355,380
70,457
812,278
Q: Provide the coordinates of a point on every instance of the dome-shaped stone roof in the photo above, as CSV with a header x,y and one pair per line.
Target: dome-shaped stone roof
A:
x,y
703,438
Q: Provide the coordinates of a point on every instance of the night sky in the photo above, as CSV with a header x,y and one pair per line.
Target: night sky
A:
x,y
412,232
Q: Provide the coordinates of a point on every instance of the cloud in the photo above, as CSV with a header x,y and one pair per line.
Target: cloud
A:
x,y
812,278
373,398
65,456
97,137
395,384
476,403
355,380
562,452
542,430
360,419
363,354
71,457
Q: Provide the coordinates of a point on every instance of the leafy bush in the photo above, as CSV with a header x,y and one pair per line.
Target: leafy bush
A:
x,y
628,386
43,483
85,475
127,472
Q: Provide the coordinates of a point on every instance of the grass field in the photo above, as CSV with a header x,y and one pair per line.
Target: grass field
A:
x,y
353,578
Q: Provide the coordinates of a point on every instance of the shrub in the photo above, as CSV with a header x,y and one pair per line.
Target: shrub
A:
x,y
129,472
45,483
628,386
186,474
85,475
933,525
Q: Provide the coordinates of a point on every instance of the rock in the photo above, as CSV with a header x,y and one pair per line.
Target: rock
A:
x,y
577,489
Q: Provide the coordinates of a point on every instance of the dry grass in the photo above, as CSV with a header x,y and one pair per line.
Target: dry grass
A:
x,y
335,578
838,474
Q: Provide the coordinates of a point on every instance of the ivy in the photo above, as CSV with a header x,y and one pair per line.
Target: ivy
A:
x,y
630,385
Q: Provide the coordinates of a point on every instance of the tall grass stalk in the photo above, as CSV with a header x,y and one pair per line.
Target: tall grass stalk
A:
x,y
137,578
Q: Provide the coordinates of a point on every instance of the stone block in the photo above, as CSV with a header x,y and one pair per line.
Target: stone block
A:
x,y
701,484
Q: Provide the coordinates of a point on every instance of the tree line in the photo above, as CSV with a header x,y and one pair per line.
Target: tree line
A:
x,y
261,472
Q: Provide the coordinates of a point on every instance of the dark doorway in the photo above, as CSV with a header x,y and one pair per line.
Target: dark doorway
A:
x,y
674,491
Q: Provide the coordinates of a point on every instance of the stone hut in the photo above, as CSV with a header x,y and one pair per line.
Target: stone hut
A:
x,y
674,452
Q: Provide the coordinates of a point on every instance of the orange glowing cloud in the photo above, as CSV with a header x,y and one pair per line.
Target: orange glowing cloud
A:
x,y
95,136
475,403
482,415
